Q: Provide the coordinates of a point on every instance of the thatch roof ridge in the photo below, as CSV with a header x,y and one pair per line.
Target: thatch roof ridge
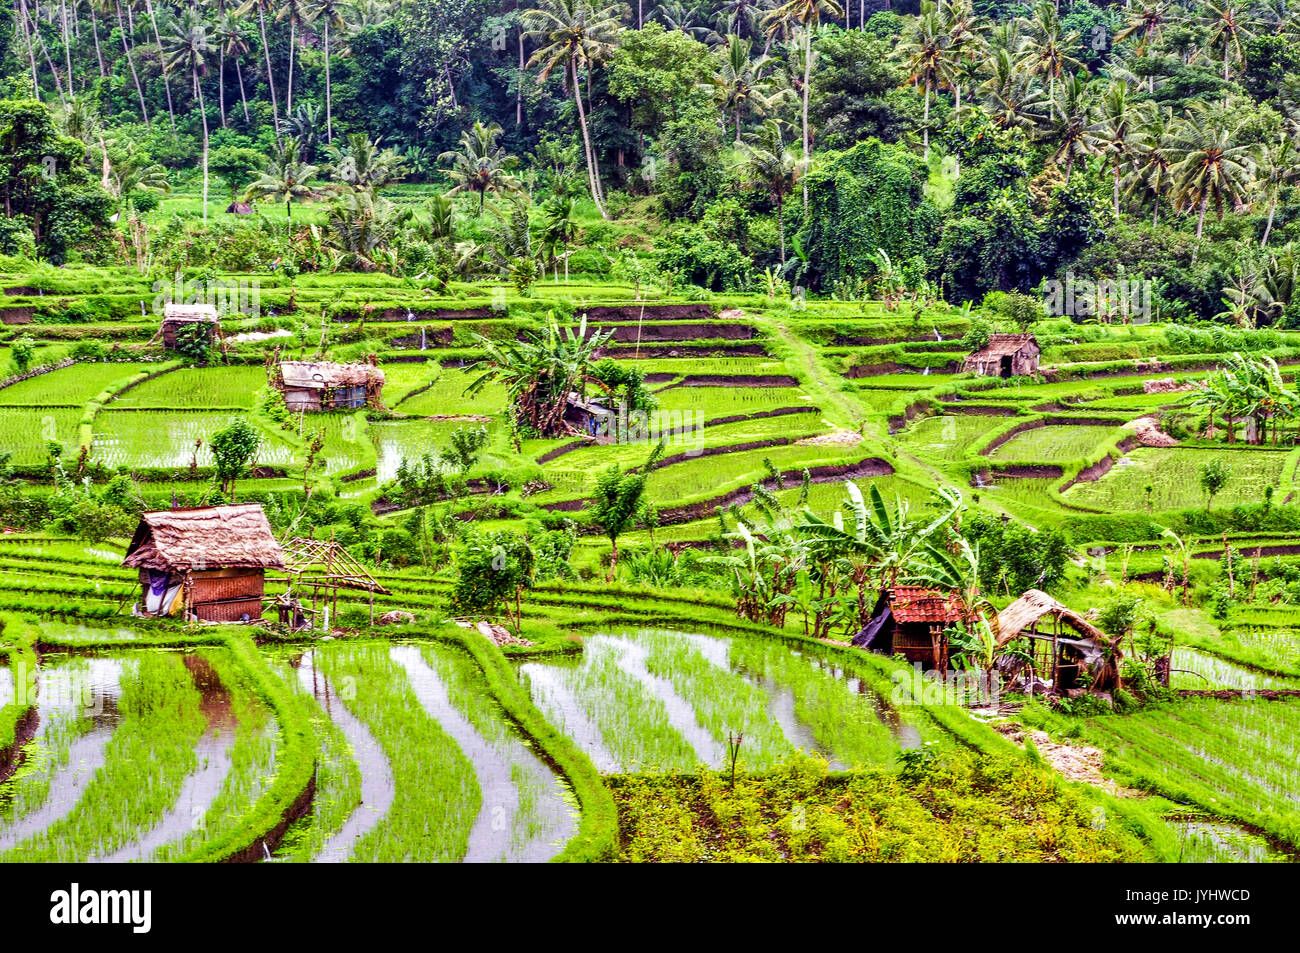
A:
x,y
206,537
1035,604
320,374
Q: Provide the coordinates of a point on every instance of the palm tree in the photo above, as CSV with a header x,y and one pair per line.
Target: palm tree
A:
x,y
330,13
299,17
360,226
167,86
771,166
575,34
1068,124
1209,164
1151,156
130,62
1114,131
305,126
1012,98
188,46
362,163
1225,20
232,43
539,371
288,179
738,82
807,14
1146,21
1278,165
263,7
481,165
927,48
1049,46
558,229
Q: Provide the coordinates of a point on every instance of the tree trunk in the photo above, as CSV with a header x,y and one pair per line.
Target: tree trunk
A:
x,y
221,87
243,97
613,559
94,31
807,137
593,172
270,76
31,55
203,112
167,86
1200,218
329,96
925,121
144,110
1268,228
288,96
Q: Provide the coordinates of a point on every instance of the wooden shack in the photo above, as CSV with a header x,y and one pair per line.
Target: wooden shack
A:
x,y
1005,355
177,316
1064,650
589,417
911,621
323,385
207,563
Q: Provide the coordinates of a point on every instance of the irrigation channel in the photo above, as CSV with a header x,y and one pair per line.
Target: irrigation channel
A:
x,y
656,700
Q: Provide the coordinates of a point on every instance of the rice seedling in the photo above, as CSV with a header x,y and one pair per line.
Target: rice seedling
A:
x,y
1172,472
148,438
1057,443
197,388
447,397
437,798
27,433
68,386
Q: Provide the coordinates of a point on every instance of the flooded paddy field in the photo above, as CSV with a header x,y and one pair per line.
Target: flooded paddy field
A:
x,y
667,701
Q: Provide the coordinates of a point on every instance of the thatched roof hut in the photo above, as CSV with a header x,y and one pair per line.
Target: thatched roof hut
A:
x,y
207,562
325,385
176,316
1005,355
1084,647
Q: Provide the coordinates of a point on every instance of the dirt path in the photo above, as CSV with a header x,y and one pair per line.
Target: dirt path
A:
x,y
841,408
1075,763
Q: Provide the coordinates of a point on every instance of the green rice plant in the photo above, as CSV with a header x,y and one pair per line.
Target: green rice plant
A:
x,y
69,386
26,432
196,388
1054,443
156,438
144,764
1172,472
447,397
436,795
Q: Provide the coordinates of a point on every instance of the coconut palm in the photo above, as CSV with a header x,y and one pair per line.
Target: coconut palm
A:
x,y
228,35
559,229
264,7
328,13
1012,97
769,165
1278,165
360,226
1210,164
739,84
188,47
806,14
363,163
927,48
288,180
1068,124
575,34
1226,22
1151,157
167,86
482,164
1049,48
1114,132
1146,21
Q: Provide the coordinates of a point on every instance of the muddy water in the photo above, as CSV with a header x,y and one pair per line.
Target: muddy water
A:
x,y
561,706
80,694
1211,841
681,713
202,786
377,790
1214,672
570,709
494,835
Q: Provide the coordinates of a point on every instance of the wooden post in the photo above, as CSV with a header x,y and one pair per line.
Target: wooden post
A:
x,y
1056,655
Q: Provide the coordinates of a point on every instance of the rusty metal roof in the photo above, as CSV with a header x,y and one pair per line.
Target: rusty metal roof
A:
x,y
917,604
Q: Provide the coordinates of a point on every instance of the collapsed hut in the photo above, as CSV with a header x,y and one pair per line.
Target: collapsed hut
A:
x,y
323,567
178,316
323,385
1065,651
207,563
1005,355
911,621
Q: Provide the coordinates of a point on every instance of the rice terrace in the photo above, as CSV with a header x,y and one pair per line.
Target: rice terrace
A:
x,y
707,432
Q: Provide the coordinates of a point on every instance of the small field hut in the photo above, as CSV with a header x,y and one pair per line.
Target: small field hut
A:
x,y
910,621
591,417
324,385
177,316
1068,651
207,563
1005,355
